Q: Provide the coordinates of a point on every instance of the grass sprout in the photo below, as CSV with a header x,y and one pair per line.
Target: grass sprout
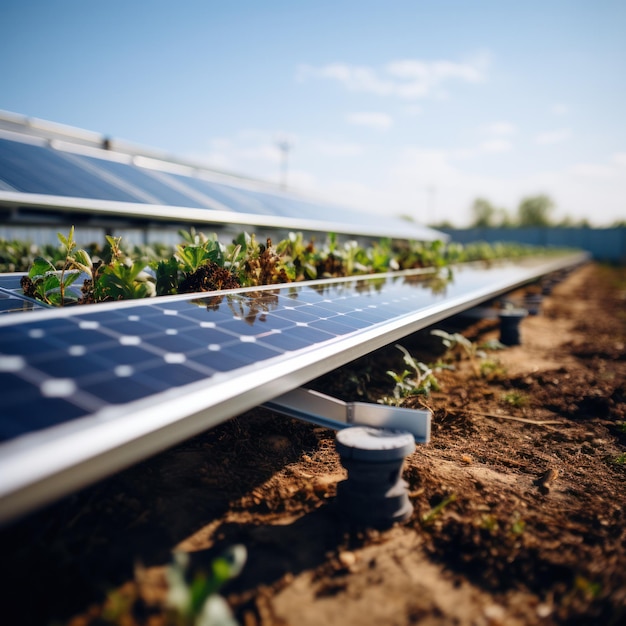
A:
x,y
418,379
516,399
437,510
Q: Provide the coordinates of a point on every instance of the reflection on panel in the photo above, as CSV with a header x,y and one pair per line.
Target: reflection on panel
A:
x,y
88,389
40,169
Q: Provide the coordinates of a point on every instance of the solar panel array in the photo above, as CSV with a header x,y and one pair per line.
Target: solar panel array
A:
x,y
94,388
38,171
88,390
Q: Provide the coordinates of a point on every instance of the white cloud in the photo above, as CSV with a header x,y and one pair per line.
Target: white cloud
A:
x,y
378,121
553,136
502,128
496,145
619,158
594,170
405,78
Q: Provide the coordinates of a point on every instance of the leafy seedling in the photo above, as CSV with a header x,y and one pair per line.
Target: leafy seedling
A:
x,y
196,601
515,399
429,517
455,343
418,380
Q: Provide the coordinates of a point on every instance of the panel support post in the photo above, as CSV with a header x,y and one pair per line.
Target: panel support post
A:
x,y
312,406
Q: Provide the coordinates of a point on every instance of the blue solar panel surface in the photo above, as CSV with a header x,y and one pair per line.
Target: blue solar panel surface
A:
x,y
138,177
40,169
59,170
11,300
56,369
87,390
60,366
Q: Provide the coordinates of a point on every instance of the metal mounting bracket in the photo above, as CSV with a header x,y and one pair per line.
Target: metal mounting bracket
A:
x,y
318,408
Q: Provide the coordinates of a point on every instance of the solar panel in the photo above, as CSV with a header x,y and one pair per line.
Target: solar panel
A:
x,y
49,168
11,298
33,168
87,390
160,192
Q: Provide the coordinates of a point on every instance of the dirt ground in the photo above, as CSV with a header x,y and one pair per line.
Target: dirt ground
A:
x,y
519,499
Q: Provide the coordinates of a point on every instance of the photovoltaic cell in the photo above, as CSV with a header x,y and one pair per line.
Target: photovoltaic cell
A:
x,y
143,180
234,199
62,172
10,299
40,169
176,365
191,338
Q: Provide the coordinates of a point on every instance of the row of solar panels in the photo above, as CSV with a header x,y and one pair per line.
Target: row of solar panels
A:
x,y
86,391
37,169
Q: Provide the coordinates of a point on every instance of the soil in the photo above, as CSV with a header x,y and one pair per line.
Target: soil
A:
x,y
519,499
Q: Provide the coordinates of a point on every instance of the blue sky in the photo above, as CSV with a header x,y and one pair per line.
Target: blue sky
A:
x,y
404,107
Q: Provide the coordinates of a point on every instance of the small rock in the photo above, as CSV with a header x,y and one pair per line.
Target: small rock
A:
x,y
544,610
495,614
347,559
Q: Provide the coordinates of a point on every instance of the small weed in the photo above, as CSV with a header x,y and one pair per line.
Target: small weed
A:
x,y
492,368
518,525
456,344
587,588
515,399
197,602
620,459
435,512
621,426
50,285
489,523
193,598
493,344
419,380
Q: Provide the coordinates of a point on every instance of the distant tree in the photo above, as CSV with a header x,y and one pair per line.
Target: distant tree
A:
x,y
483,213
443,224
567,222
505,220
486,215
535,211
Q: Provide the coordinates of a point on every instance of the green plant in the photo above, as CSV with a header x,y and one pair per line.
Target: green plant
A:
x,y
299,257
196,602
455,343
197,249
429,517
518,525
418,380
489,523
203,263
491,369
515,399
50,285
587,588
620,459
124,280
258,264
